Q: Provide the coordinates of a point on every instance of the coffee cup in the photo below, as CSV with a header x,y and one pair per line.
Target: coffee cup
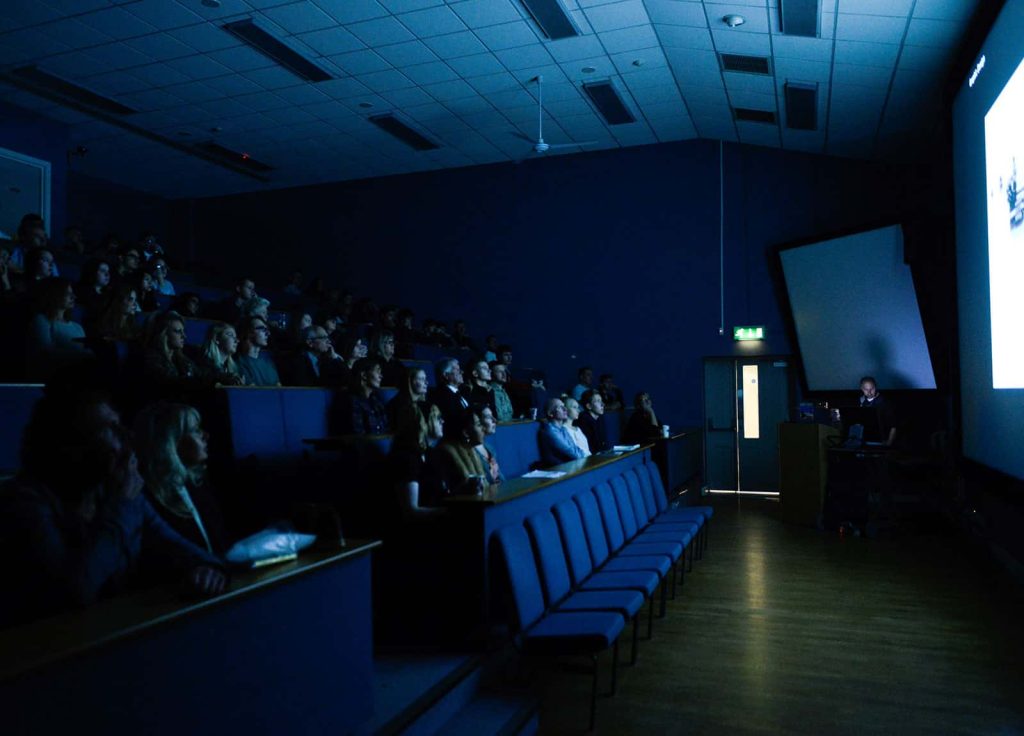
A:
x,y
664,430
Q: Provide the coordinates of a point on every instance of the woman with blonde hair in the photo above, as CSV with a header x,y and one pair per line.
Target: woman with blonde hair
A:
x,y
218,354
165,363
415,463
171,445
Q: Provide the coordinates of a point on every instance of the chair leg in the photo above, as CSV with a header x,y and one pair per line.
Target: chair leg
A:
x,y
615,669
664,598
636,638
650,618
593,695
689,556
673,574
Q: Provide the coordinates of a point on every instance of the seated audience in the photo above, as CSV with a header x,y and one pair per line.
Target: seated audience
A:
x,y
502,403
591,421
74,523
188,305
31,236
316,363
492,472
297,324
412,393
572,411
39,265
172,460
6,273
555,441
218,354
643,424
117,319
448,395
610,393
585,379
405,334
128,262
491,348
164,363
415,463
55,343
294,285
257,368
480,391
150,247
74,240
230,310
363,411
93,287
159,271
353,349
461,337
256,307
464,470
145,290
382,347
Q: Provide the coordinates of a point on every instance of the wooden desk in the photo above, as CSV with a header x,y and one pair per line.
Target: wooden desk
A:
x,y
679,458
287,648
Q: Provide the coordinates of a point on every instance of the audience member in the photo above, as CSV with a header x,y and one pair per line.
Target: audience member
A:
x,y
412,393
461,337
74,241
555,441
188,305
31,237
353,349
297,324
93,287
172,447
591,421
294,285
502,403
464,471
491,349
218,354
159,271
230,310
55,343
643,425
257,306
610,393
365,412
128,262
257,369
382,347
145,290
406,334
74,523
415,463
449,395
165,365
150,247
585,379
117,320
492,471
480,391
39,265
6,282
317,363
572,411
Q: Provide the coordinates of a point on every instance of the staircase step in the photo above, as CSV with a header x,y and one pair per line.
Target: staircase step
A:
x,y
495,714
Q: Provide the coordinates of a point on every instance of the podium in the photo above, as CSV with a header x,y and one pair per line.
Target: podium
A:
x,y
803,471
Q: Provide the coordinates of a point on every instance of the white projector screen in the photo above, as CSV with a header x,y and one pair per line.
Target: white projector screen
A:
x,y
856,312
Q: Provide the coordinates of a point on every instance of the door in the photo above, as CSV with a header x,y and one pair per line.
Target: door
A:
x,y
24,188
745,399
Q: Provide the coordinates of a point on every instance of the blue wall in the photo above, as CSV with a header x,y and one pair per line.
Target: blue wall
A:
x,y
101,207
609,258
24,132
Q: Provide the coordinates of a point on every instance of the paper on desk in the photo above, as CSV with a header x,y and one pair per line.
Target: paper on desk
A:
x,y
625,448
545,474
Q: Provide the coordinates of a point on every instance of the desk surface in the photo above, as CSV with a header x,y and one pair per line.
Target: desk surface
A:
x,y
339,441
516,487
73,632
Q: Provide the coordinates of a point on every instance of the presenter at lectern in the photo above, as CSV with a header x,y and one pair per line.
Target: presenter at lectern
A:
x,y
870,397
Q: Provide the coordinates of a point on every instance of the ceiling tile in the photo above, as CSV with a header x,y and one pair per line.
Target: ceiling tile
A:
x,y
117,23
360,62
331,41
900,8
629,39
385,81
300,17
352,11
940,33
482,13
524,57
476,65
380,31
455,44
873,28
959,10
432,22
756,19
753,44
408,53
511,35
435,71
673,12
617,15
450,90
868,54
685,37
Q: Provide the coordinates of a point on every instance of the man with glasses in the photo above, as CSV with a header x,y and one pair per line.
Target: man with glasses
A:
x,y
317,363
449,395
256,367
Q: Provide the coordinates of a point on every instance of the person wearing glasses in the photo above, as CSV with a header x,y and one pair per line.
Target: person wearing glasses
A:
x,y
317,363
255,365
158,270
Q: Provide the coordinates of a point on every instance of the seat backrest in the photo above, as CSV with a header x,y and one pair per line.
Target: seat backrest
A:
x,y
547,544
658,488
590,516
637,496
515,445
196,329
610,516
305,414
17,402
574,539
386,393
625,505
643,475
256,421
523,580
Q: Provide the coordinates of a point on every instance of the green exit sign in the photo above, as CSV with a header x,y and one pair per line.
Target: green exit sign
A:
x,y
755,332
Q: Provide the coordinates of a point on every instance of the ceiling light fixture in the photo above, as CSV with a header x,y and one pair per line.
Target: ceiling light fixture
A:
x,y
588,69
733,20
211,3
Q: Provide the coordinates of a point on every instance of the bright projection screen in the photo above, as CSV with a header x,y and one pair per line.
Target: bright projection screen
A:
x,y
856,312
988,160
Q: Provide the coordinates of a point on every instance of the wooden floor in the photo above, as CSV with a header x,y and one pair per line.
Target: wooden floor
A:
x,y
789,630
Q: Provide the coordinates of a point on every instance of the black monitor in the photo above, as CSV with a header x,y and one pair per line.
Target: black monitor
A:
x,y
865,416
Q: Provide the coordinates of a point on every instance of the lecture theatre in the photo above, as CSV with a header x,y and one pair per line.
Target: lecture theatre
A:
x,y
509,367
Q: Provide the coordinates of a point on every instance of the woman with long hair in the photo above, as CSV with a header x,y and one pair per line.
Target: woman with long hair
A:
x,y
414,462
165,363
218,354
117,320
492,471
172,448
55,342
93,286
464,469
382,347
412,392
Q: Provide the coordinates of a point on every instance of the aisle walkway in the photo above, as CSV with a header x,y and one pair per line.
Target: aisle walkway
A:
x,y
789,630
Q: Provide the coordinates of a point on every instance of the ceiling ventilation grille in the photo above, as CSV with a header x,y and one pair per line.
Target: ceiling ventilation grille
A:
x,y
412,138
801,106
552,18
753,116
799,17
608,102
251,34
746,64
61,90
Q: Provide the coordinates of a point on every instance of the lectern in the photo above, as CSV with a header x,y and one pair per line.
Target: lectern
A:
x,y
803,470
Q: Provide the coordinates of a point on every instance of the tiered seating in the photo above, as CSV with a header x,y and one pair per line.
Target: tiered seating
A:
x,y
16,403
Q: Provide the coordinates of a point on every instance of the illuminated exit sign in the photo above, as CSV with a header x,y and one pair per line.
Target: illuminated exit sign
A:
x,y
755,332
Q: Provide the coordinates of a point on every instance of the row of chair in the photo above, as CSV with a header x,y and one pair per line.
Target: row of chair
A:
x,y
579,572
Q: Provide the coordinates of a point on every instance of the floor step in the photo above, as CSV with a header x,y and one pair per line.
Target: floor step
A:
x,y
495,714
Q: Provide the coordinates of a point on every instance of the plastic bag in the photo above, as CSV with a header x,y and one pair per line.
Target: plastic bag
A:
x,y
278,540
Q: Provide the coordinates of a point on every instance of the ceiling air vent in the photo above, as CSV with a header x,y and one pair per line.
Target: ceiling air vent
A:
x,y
235,158
60,90
799,17
608,102
251,34
746,64
753,116
801,106
413,138
552,18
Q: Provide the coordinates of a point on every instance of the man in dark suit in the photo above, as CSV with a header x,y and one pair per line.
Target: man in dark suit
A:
x,y
591,421
449,396
317,364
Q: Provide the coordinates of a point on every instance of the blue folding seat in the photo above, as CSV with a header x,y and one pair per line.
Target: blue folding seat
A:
x,y
686,529
620,536
540,632
665,514
548,544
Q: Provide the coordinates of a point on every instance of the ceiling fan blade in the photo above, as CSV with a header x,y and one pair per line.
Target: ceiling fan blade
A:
x,y
553,146
526,138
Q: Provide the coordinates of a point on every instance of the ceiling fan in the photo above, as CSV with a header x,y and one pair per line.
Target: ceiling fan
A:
x,y
540,146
